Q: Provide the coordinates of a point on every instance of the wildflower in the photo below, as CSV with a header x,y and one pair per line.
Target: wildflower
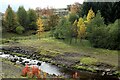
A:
x,y
25,71
36,71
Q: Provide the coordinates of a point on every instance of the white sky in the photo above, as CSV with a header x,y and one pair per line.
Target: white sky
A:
x,y
35,3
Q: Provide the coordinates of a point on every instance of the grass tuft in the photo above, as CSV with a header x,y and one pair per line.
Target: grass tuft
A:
x,y
88,60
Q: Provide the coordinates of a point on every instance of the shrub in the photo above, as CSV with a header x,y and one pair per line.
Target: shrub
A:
x,y
63,30
73,17
33,26
25,71
20,29
113,38
33,72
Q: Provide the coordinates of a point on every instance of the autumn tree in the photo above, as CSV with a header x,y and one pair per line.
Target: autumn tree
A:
x,y
22,17
10,20
53,21
40,26
75,28
90,15
81,28
97,21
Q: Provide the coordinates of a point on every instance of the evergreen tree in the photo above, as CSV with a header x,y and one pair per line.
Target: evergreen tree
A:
x,y
97,21
109,10
97,31
63,30
22,17
10,20
32,17
73,17
113,37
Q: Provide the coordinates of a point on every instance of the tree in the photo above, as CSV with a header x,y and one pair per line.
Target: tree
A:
x,y
40,26
63,30
97,21
53,21
75,28
10,20
81,28
32,17
113,37
90,15
73,17
96,30
22,17
107,9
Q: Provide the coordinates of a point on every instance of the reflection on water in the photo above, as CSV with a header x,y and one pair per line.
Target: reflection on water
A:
x,y
50,69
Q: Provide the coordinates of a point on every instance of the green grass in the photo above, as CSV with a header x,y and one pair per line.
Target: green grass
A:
x,y
10,35
53,47
59,46
88,60
84,68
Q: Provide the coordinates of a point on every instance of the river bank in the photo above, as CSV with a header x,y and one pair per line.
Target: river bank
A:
x,y
63,60
14,70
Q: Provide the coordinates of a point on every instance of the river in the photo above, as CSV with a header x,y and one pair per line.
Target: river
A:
x,y
67,73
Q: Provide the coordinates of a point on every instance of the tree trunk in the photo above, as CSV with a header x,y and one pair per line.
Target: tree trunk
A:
x,y
70,40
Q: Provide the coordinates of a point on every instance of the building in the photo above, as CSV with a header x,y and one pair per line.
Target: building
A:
x,y
61,11
46,12
50,11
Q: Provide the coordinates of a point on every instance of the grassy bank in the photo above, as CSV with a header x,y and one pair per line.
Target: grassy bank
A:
x,y
54,47
10,70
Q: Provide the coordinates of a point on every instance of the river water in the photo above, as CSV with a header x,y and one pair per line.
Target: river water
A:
x,y
67,73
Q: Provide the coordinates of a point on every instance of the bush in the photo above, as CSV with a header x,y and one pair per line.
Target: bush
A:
x,y
33,26
63,30
113,38
73,17
98,37
20,29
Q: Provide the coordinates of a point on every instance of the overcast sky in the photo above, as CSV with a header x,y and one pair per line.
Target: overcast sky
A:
x,y
35,3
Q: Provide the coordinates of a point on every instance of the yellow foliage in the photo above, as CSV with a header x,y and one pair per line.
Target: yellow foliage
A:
x,y
90,15
40,25
44,75
75,23
75,32
81,28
